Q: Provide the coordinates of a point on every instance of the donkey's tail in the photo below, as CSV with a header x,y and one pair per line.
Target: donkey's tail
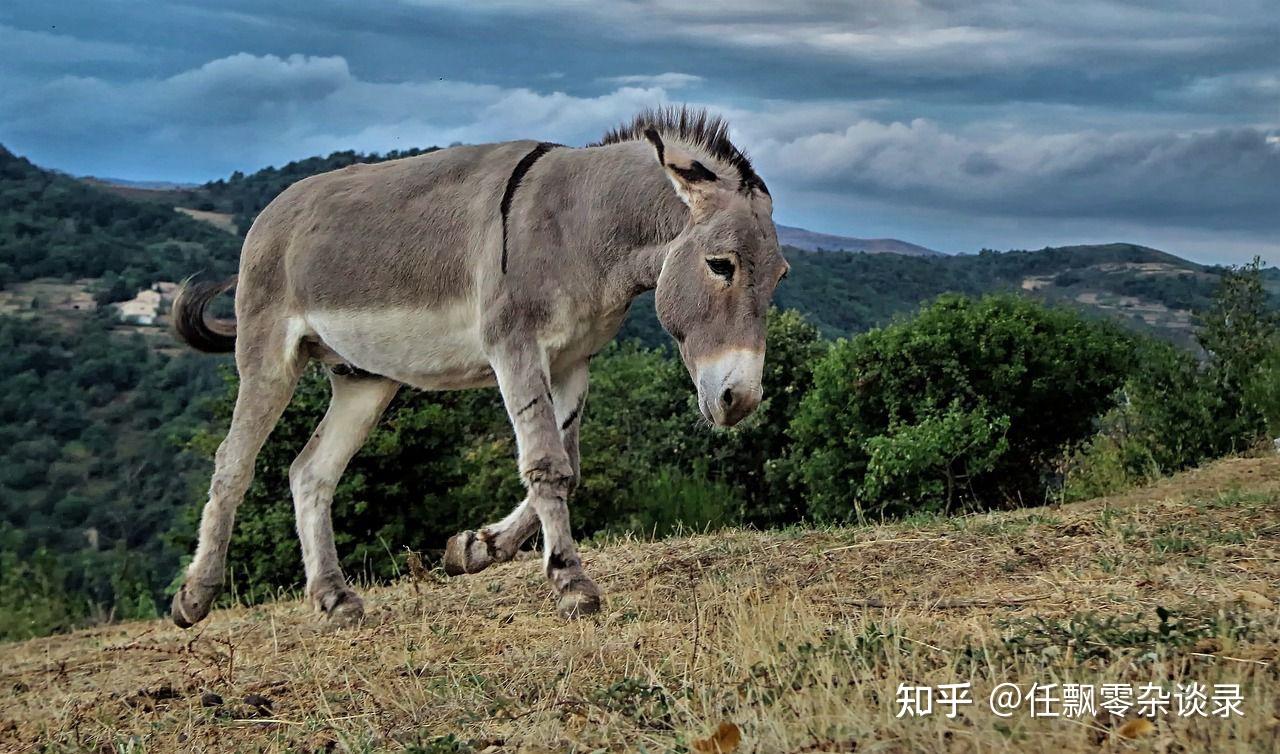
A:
x,y
190,323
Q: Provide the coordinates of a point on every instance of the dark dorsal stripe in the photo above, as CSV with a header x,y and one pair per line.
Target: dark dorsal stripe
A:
x,y
513,183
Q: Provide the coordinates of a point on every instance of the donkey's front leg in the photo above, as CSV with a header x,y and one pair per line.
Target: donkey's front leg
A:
x,y
474,551
546,468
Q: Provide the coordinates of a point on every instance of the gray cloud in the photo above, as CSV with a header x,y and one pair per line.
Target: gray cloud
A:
x,y
41,48
941,39
670,80
1014,120
244,111
1224,177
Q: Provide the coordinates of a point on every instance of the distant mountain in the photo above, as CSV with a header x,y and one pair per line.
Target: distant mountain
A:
x,y
149,185
809,240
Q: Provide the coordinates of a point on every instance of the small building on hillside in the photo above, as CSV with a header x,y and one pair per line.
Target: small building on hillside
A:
x,y
138,312
145,308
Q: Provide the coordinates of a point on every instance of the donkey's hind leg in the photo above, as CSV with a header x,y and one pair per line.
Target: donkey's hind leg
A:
x,y
262,397
357,402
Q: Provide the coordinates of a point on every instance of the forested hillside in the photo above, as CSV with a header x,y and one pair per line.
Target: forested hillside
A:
x,y
52,225
96,416
242,196
1142,288
93,413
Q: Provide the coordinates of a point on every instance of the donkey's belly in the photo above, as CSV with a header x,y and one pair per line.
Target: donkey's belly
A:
x,y
430,350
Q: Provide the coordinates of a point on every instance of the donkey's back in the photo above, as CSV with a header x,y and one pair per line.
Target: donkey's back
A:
x,y
406,232
375,266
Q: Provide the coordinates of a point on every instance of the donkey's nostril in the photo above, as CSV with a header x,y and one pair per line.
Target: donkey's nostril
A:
x,y
727,397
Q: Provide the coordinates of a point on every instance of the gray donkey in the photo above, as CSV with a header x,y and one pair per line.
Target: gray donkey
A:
x,y
507,264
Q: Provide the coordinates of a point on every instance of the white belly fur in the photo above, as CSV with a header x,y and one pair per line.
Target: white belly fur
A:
x,y
436,349
442,349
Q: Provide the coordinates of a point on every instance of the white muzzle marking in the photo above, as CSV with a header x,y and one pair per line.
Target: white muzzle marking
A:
x,y
729,385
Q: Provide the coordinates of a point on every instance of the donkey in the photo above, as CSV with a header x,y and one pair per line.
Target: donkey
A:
x,y
507,264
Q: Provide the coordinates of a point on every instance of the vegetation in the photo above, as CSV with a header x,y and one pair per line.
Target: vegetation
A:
x,y
1176,410
92,415
1149,291
966,404
90,423
52,225
244,196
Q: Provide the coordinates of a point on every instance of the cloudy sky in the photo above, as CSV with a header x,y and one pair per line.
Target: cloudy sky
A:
x,y
957,124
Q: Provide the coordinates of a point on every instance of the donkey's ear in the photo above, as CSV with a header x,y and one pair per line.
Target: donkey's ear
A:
x,y
694,182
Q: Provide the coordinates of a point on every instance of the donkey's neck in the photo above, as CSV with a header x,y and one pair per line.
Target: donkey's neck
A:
x,y
636,214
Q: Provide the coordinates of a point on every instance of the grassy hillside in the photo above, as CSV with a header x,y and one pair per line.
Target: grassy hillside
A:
x,y
798,639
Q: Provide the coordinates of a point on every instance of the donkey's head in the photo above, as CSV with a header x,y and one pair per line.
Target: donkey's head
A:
x,y
718,277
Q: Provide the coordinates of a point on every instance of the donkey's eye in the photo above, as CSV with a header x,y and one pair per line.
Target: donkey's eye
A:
x,y
721,267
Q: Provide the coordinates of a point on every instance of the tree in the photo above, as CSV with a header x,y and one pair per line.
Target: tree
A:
x,y
1241,335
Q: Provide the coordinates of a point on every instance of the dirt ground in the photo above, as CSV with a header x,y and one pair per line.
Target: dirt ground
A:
x,y
792,641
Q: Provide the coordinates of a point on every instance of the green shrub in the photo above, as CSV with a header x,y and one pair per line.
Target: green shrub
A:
x,y
1241,335
1104,465
33,599
1180,410
968,403
922,463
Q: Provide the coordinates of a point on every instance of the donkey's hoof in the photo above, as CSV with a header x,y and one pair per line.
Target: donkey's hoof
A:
x,y
342,608
465,552
192,603
580,599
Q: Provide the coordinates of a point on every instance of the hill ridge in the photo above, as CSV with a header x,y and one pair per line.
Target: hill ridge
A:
x,y
810,240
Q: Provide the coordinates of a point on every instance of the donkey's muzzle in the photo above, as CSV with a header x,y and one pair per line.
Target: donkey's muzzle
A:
x,y
729,386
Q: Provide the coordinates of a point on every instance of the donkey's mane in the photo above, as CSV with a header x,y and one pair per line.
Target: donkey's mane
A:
x,y
697,128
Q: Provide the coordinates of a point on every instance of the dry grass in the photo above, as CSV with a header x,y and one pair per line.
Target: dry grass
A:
x,y
799,638
220,220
